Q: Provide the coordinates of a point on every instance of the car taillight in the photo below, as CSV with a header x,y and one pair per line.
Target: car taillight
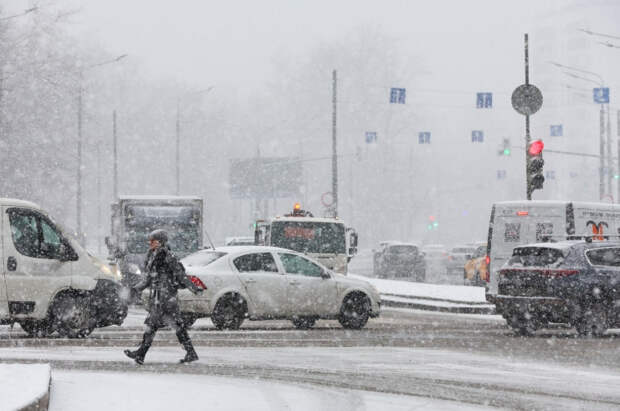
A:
x,y
197,282
487,260
560,273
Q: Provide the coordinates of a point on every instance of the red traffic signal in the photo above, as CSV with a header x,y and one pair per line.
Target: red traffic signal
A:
x,y
536,147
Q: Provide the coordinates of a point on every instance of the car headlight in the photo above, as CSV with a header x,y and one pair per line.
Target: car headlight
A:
x,y
134,269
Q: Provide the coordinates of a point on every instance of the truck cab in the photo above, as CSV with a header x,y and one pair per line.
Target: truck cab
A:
x,y
134,217
325,239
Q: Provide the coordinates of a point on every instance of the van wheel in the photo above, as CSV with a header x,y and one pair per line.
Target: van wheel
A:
x,y
37,328
71,316
521,324
593,322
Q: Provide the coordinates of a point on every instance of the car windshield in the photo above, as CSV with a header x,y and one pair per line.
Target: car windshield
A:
x,y
202,258
309,237
403,249
535,257
463,250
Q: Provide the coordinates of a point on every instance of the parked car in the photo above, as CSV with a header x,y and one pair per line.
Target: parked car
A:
x,y
457,257
50,283
573,282
476,272
261,283
400,260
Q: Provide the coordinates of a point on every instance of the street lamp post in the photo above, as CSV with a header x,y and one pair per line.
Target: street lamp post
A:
x,y
178,135
615,46
78,196
601,82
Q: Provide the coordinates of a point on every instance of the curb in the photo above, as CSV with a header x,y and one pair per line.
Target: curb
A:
x,y
474,308
41,403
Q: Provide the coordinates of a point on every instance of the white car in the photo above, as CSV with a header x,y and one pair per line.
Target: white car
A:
x,y
261,283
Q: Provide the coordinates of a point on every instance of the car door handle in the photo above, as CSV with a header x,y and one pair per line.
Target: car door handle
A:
x,y
294,282
250,281
11,264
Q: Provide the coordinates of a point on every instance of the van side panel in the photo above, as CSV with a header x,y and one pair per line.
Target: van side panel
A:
x,y
597,222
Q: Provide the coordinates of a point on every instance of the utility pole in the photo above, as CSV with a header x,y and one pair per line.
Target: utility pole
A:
x,y
334,147
115,150
78,206
527,125
610,164
618,181
99,198
178,155
601,185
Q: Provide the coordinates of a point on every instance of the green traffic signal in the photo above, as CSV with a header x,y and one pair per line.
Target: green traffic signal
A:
x,y
506,151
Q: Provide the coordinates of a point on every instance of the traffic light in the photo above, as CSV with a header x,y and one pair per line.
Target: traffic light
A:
x,y
535,163
505,148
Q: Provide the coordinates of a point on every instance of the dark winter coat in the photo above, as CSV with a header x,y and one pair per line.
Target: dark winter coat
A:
x,y
164,275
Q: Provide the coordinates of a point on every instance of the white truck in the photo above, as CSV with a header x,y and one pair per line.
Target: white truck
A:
x,y
324,239
515,223
134,217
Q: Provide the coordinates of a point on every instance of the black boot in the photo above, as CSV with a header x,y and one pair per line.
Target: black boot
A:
x,y
190,356
190,353
139,354
135,355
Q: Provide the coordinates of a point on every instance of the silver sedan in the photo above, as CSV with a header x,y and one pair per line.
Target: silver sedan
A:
x,y
264,283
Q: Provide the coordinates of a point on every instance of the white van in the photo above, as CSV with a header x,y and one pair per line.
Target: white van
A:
x,y
515,223
49,282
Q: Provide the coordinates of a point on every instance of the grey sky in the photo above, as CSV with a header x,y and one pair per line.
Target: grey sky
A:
x,y
232,43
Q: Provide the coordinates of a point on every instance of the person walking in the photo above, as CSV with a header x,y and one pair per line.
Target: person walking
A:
x,y
164,276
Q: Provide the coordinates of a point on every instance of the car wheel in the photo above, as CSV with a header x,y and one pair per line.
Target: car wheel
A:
x,y
37,328
594,321
71,316
303,323
355,311
229,312
523,324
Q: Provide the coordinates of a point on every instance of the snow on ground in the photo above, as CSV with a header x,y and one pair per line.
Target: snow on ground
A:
x,y
81,390
413,289
21,384
398,364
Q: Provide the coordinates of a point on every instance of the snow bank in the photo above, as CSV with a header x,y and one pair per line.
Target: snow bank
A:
x,y
22,385
453,293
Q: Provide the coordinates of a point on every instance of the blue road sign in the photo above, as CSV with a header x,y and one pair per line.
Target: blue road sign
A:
x,y
601,95
424,137
557,130
501,174
484,100
397,95
477,136
371,137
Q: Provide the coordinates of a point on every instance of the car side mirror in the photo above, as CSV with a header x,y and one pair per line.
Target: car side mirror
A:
x,y
63,253
325,275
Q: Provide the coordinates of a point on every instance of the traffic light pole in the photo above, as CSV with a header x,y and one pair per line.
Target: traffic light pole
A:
x,y
528,189
601,185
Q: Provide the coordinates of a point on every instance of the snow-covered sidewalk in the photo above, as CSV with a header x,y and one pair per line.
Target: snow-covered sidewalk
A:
x,y
96,390
24,386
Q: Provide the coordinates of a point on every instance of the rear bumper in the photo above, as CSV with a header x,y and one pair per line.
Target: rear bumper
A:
x,y
537,305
